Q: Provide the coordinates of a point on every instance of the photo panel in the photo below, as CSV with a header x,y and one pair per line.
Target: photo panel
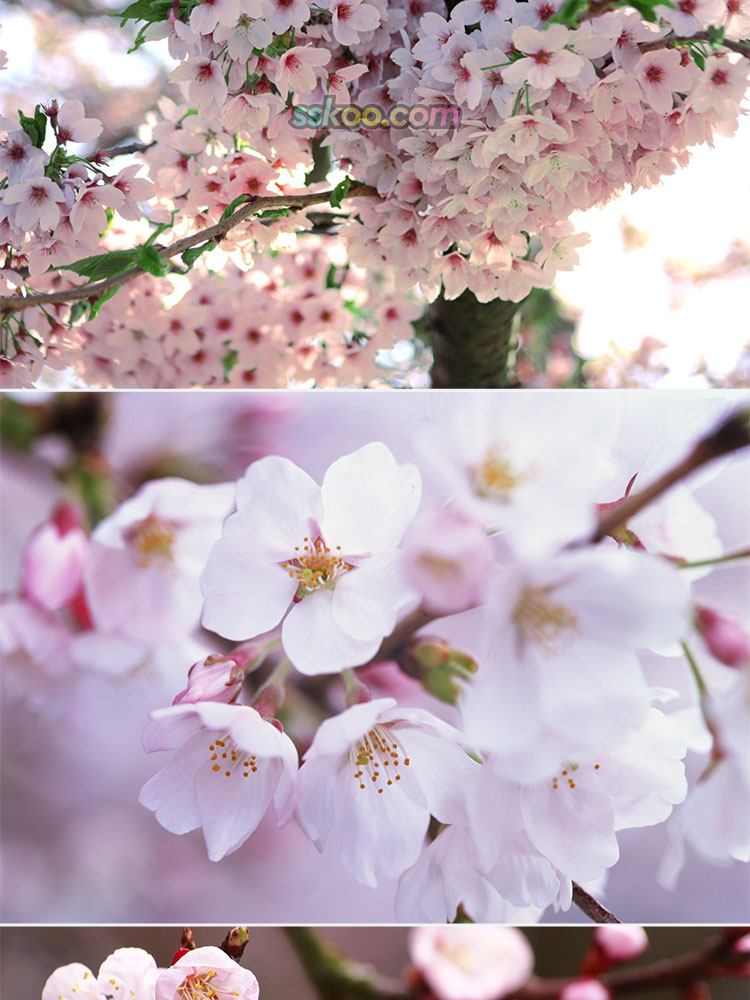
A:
x,y
374,658
456,962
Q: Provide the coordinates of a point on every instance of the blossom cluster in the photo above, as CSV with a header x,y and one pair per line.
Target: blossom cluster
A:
x,y
199,973
554,119
530,691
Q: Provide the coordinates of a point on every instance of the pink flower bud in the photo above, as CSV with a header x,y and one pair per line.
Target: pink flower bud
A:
x,y
724,636
585,989
448,557
217,678
54,558
471,961
620,942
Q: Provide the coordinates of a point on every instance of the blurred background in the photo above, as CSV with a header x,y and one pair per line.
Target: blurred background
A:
x,y
30,955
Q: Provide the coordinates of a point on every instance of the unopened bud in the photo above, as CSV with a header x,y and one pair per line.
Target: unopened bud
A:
x,y
54,559
268,701
216,678
620,942
724,636
442,669
586,988
235,942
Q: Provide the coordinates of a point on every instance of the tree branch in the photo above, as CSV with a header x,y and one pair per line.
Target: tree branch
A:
x,y
93,290
334,975
731,435
700,36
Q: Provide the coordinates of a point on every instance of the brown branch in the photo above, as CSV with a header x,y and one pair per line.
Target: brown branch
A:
x,y
731,435
130,147
592,908
93,290
700,36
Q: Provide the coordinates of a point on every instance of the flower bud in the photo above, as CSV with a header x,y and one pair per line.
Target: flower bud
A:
x,y
587,988
724,636
54,559
620,942
442,670
448,558
218,677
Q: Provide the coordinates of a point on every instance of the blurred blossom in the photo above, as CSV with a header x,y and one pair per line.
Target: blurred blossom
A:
x,y
448,558
471,962
54,559
620,942
585,989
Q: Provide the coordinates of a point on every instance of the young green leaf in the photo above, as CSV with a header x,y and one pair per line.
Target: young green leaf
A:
x,y
340,192
190,256
103,265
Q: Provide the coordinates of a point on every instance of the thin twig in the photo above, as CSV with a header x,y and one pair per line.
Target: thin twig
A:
x,y
128,148
592,908
93,290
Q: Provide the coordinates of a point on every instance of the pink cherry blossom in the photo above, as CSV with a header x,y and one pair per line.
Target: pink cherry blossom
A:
x,y
72,126
468,962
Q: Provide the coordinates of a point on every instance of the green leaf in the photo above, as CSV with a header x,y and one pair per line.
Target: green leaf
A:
x,y
229,360
340,192
274,213
36,127
715,36
190,256
76,312
568,13
150,260
96,306
103,265
233,205
700,62
331,277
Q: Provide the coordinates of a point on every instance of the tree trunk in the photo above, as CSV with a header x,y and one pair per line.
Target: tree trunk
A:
x,y
472,343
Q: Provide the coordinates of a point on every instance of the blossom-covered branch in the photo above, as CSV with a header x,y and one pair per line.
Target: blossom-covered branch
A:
x,y
209,234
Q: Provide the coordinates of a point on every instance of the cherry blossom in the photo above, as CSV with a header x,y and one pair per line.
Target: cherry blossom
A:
x,y
322,558
378,771
228,767
206,972
127,972
471,963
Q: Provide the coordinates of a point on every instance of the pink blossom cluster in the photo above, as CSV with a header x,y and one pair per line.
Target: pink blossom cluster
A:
x,y
553,120
543,706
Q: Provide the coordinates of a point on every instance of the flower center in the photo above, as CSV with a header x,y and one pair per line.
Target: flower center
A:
x,y
197,986
567,776
542,620
376,757
495,478
227,758
152,539
315,567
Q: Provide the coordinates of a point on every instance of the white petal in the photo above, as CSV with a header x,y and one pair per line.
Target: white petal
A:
x,y
369,500
170,794
316,644
231,807
243,599
277,501
574,828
